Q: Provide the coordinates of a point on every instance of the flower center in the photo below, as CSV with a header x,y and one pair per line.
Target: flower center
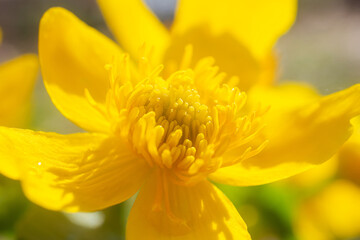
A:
x,y
177,129
183,124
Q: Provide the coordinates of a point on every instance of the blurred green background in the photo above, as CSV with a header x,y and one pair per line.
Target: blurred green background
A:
x,y
322,48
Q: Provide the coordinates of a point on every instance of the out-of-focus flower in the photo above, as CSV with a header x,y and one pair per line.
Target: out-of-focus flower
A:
x,y
334,211
166,134
17,78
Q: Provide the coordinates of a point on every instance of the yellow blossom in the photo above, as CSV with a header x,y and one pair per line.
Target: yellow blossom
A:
x,y
17,78
239,36
167,132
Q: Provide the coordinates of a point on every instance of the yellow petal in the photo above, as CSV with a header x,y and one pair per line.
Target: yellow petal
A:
x,y
17,79
73,58
334,213
230,55
269,69
197,212
257,24
133,24
349,155
299,137
77,172
317,175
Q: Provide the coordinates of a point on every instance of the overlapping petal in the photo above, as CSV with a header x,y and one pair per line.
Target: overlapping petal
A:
x,y
133,25
349,155
196,212
301,135
77,172
17,79
73,58
256,24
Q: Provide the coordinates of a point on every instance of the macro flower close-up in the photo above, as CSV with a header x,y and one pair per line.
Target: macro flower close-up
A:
x,y
170,113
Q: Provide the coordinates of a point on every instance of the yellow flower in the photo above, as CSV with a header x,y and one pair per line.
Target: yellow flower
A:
x,y
17,78
168,133
240,37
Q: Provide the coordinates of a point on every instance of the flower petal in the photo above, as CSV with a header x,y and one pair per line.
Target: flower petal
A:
x,y
316,176
73,58
17,79
300,137
349,155
257,24
229,54
197,212
133,24
77,172
269,69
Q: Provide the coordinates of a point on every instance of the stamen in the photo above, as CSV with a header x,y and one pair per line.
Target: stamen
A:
x,y
181,125
186,59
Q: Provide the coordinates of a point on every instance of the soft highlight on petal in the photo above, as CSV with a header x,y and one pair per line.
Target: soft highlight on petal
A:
x,y
76,172
184,212
133,24
17,79
73,58
300,137
257,24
